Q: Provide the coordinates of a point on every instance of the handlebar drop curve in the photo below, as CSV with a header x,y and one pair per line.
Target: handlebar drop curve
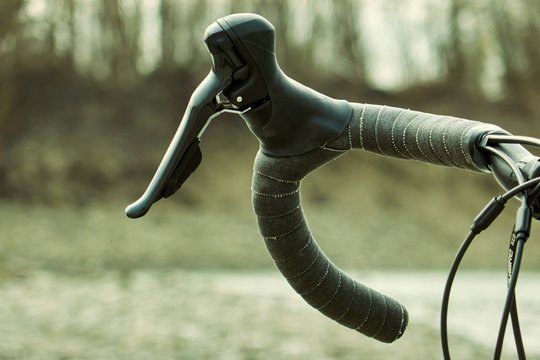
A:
x,y
277,204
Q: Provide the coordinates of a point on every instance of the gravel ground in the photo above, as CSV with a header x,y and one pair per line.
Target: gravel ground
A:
x,y
244,315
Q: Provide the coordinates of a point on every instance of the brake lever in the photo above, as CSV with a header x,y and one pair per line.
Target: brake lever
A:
x,y
287,117
183,155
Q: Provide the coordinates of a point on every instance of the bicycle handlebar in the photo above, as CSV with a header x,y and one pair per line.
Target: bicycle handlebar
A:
x,y
299,130
384,130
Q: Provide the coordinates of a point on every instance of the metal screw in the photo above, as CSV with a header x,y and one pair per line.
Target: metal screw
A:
x,y
239,99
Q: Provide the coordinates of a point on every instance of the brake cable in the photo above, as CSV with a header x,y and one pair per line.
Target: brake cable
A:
x,y
481,222
519,236
513,139
515,252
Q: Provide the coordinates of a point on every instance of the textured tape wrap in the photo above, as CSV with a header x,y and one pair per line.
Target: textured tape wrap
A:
x,y
388,131
407,134
276,201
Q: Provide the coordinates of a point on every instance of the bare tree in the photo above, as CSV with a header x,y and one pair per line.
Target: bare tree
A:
x,y
10,30
348,37
197,23
9,10
531,36
455,54
281,11
69,56
120,39
236,6
509,45
169,27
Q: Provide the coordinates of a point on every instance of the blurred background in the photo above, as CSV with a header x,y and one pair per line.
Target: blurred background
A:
x,y
91,92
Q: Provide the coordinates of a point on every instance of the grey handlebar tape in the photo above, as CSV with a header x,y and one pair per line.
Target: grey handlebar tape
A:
x,y
407,134
277,204
276,201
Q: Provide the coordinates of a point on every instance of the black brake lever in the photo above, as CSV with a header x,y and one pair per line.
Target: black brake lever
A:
x,y
183,154
287,117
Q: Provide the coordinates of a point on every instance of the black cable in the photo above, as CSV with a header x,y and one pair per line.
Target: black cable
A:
x,y
446,295
509,298
521,180
511,139
481,222
518,339
520,234
520,188
517,329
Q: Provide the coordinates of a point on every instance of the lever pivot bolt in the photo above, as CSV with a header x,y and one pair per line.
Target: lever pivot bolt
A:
x,y
239,99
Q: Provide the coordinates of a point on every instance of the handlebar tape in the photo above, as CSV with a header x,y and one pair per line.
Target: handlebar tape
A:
x,y
276,201
407,134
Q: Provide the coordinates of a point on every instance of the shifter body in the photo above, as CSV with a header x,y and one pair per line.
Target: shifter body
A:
x,y
287,117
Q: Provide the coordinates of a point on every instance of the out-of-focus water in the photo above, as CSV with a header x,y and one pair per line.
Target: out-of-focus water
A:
x,y
246,315
476,303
